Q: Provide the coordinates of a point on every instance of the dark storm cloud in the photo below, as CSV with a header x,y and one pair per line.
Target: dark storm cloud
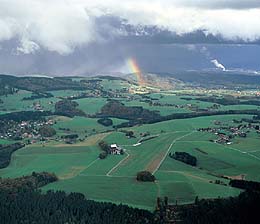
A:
x,y
86,36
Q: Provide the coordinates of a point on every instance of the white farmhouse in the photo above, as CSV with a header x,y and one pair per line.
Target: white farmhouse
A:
x,y
115,149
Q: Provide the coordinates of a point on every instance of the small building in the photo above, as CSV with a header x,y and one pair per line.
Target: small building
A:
x,y
115,149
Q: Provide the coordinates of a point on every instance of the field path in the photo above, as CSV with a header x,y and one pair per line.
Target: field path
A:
x,y
117,165
89,165
247,153
169,148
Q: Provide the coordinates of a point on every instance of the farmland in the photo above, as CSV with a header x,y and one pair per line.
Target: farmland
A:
x,y
79,168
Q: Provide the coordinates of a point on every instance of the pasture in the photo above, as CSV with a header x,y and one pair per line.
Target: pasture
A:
x,y
113,179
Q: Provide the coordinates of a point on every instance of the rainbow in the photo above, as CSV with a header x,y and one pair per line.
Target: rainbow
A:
x,y
136,71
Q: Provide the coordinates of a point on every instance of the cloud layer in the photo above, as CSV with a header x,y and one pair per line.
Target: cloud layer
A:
x,y
63,25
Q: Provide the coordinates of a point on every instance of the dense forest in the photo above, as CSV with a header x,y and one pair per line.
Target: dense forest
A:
x,y
6,153
40,84
235,210
68,108
229,100
58,207
30,182
245,184
117,109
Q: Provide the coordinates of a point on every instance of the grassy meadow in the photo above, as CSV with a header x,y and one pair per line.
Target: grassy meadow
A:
x,y
113,179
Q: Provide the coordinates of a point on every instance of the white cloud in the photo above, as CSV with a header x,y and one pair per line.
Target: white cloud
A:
x,y
62,25
27,47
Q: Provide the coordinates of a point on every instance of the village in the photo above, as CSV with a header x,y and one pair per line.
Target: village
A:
x,y
24,130
225,134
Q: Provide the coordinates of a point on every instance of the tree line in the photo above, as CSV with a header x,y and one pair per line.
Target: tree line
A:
x,y
104,148
245,184
59,208
6,153
175,116
25,116
38,95
29,182
184,157
242,209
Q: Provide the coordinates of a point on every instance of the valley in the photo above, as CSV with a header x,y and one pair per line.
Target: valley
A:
x,y
224,138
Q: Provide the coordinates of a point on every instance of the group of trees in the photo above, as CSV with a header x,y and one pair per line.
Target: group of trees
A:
x,y
6,89
105,149
130,134
184,157
6,153
105,121
38,95
145,176
47,131
30,182
70,136
68,108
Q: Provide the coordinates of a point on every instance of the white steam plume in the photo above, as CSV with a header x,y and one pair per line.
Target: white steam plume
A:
x,y
218,65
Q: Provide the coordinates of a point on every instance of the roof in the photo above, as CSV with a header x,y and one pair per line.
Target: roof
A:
x,y
113,146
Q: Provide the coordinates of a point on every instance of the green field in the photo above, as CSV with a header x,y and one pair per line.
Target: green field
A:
x,y
113,179
91,105
82,126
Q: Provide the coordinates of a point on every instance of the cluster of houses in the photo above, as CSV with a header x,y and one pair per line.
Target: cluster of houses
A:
x,y
226,134
97,93
37,106
223,139
24,130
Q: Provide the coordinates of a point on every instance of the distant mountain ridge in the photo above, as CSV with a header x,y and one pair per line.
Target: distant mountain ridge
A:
x,y
212,78
32,83
226,79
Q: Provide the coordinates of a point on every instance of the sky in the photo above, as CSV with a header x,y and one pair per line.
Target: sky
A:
x,y
73,37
